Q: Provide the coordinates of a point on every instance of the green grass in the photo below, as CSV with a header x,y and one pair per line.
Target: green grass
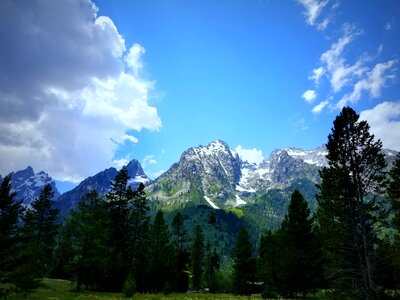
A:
x,y
57,289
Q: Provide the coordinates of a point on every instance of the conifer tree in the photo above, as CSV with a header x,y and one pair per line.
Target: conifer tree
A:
x,y
393,191
349,204
300,251
197,258
39,230
84,233
393,194
10,210
244,266
160,253
118,213
268,267
180,280
139,238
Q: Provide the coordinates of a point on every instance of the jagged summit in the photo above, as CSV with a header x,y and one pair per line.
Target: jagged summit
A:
x,y
101,182
29,185
212,175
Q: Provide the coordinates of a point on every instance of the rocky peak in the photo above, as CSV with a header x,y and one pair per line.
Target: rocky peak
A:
x,y
29,185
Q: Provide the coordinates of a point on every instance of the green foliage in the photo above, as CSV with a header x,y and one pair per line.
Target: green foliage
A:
x,y
197,258
160,259
39,231
81,246
129,288
10,209
349,204
244,266
393,190
300,251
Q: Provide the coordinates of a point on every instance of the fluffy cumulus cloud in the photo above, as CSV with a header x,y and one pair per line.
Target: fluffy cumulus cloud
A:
x,y
250,155
384,120
70,89
309,96
313,10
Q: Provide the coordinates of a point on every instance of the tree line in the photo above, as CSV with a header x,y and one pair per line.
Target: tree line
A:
x,y
349,246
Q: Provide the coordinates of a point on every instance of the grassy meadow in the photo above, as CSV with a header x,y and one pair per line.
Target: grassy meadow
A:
x,y
57,289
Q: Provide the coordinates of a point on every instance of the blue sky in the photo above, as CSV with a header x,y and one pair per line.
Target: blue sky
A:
x,y
87,85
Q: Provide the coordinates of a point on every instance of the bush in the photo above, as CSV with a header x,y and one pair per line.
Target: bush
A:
x,y
129,286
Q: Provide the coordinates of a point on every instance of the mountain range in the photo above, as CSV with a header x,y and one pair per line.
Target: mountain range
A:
x,y
212,175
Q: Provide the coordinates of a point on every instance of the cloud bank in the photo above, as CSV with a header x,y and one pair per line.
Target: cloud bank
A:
x,y
384,120
69,88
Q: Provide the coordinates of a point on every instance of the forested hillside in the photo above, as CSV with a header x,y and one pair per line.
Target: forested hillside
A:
x,y
344,242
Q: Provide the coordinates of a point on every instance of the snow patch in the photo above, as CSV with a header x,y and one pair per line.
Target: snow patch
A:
x,y
239,201
241,189
210,202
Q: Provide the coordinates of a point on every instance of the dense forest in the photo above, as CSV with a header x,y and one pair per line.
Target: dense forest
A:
x,y
348,248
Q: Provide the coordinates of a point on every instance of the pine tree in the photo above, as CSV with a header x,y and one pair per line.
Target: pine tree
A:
x,y
267,266
393,191
160,253
393,194
244,266
179,233
300,251
180,280
39,230
139,239
10,210
84,233
197,258
348,204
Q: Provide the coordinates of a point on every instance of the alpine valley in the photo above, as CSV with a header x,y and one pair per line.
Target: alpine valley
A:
x,y
211,177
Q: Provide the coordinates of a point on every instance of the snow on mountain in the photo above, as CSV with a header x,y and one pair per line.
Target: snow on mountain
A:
x,y
29,185
313,157
101,182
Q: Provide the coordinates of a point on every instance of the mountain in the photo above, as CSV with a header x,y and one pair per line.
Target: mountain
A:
x,y
29,184
101,182
215,175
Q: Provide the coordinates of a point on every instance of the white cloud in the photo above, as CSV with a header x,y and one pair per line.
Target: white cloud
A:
x,y
339,72
250,155
69,88
317,74
372,83
309,96
352,79
384,120
319,107
389,26
148,160
131,138
313,9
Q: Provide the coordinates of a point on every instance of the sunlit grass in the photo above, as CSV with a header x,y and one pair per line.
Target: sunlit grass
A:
x,y
57,289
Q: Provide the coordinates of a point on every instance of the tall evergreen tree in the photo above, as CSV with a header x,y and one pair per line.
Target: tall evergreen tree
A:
x,y
300,251
139,240
267,266
197,258
180,279
39,230
393,194
84,233
244,266
160,253
348,204
10,210
118,210
393,191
